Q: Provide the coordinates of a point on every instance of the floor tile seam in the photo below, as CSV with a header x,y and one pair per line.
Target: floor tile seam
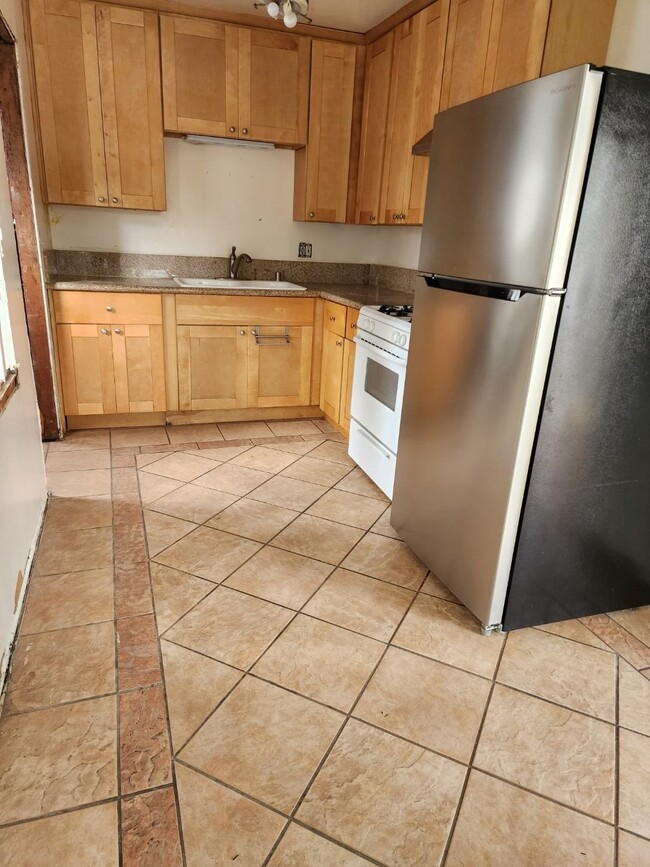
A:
x,y
148,507
341,843
479,732
79,496
128,429
118,720
171,545
557,704
146,468
623,630
617,756
64,811
65,628
68,703
606,649
163,682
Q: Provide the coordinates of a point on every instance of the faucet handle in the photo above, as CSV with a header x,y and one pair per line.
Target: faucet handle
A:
x,y
232,253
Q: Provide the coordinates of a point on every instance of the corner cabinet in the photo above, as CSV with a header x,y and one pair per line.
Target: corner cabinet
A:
x,y
337,368
97,75
234,82
111,355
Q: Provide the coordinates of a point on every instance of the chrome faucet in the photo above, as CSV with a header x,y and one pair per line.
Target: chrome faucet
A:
x,y
235,262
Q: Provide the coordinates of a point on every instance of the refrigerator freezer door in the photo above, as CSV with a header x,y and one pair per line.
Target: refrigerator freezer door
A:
x,y
473,389
505,182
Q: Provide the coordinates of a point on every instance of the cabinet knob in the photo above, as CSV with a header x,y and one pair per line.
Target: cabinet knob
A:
x,y
114,200
118,331
311,215
242,332
339,343
244,131
372,218
353,325
396,216
232,129
109,308
254,333
105,331
402,216
332,318
101,199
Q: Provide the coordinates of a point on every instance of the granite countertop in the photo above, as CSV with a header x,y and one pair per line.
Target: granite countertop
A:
x,y
350,294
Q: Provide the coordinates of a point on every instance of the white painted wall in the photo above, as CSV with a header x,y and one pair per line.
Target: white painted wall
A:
x,y
629,44
22,476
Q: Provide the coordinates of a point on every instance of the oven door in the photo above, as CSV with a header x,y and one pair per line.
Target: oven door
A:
x,y
378,391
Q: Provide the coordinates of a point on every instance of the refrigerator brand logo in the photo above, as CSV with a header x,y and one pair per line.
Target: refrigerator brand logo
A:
x,y
563,89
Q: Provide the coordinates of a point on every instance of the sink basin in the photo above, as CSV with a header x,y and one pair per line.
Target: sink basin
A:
x,y
193,283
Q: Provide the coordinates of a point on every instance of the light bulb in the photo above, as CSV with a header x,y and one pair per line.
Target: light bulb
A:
x,y
290,19
273,9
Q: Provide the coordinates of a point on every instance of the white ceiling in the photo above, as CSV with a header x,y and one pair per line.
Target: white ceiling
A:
x,y
356,15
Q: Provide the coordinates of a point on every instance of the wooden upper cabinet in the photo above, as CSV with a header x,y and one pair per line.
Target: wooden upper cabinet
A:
x,y
322,168
516,45
415,98
199,71
129,67
273,86
379,62
66,67
467,48
97,71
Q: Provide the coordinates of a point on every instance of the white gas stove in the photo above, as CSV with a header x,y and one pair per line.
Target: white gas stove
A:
x,y
382,343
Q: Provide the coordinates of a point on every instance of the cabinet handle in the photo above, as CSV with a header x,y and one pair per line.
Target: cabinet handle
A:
x,y
118,331
372,218
244,131
353,325
254,333
105,331
339,343
109,308
332,318
242,332
311,215
233,129
114,200
101,199
397,216
402,216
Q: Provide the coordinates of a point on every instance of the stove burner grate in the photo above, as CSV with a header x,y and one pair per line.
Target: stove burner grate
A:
x,y
397,310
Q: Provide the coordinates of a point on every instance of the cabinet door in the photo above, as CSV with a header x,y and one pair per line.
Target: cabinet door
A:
x,y
139,365
331,375
66,72
431,36
517,36
199,76
87,369
129,66
322,168
373,130
349,350
279,371
273,86
212,366
467,47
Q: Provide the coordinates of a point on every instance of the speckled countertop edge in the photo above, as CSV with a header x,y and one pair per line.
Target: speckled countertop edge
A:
x,y
352,295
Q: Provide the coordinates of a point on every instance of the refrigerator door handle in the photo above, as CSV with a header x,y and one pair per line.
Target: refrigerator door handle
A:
x,y
487,290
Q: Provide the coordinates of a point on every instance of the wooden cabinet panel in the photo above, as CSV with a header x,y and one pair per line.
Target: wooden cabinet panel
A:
x,y
322,168
87,369
199,70
578,32
273,83
351,319
349,350
66,69
379,60
332,375
212,367
467,48
516,46
129,65
334,317
139,368
90,307
279,371
234,310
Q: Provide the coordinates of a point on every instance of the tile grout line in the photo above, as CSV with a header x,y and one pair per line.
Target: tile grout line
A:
x,y
118,758
617,759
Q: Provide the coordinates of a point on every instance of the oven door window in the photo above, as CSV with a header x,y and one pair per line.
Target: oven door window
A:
x,y
381,383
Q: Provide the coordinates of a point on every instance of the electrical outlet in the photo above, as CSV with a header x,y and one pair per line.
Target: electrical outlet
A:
x,y
304,250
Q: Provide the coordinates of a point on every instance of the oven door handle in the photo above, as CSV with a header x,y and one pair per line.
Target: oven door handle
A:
x,y
373,442
386,357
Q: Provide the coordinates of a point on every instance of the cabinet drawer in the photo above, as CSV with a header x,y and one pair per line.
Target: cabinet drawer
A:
x,y
334,318
235,310
351,323
125,308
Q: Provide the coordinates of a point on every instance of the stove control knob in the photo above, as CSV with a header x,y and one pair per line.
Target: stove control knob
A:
x,y
369,325
404,340
395,337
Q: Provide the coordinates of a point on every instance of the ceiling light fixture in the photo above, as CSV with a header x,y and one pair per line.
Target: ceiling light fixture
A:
x,y
288,11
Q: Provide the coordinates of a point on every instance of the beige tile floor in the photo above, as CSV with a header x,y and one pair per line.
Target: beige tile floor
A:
x,y
227,655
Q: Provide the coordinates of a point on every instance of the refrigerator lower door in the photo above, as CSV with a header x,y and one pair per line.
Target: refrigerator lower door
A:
x,y
474,383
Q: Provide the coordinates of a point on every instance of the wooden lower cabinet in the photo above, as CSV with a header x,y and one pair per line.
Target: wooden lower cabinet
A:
x,y
349,350
212,367
332,375
109,368
279,366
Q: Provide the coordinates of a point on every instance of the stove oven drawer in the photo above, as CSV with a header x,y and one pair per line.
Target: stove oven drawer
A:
x,y
375,459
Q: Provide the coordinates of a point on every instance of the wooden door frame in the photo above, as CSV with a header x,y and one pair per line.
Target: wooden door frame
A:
x,y
22,206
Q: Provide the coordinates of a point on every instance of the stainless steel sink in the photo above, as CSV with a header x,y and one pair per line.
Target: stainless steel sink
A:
x,y
193,283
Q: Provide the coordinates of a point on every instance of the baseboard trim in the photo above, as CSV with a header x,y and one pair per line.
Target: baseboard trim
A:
x,y
203,416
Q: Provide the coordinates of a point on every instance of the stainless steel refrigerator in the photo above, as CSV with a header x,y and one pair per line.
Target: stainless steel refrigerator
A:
x,y
523,465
